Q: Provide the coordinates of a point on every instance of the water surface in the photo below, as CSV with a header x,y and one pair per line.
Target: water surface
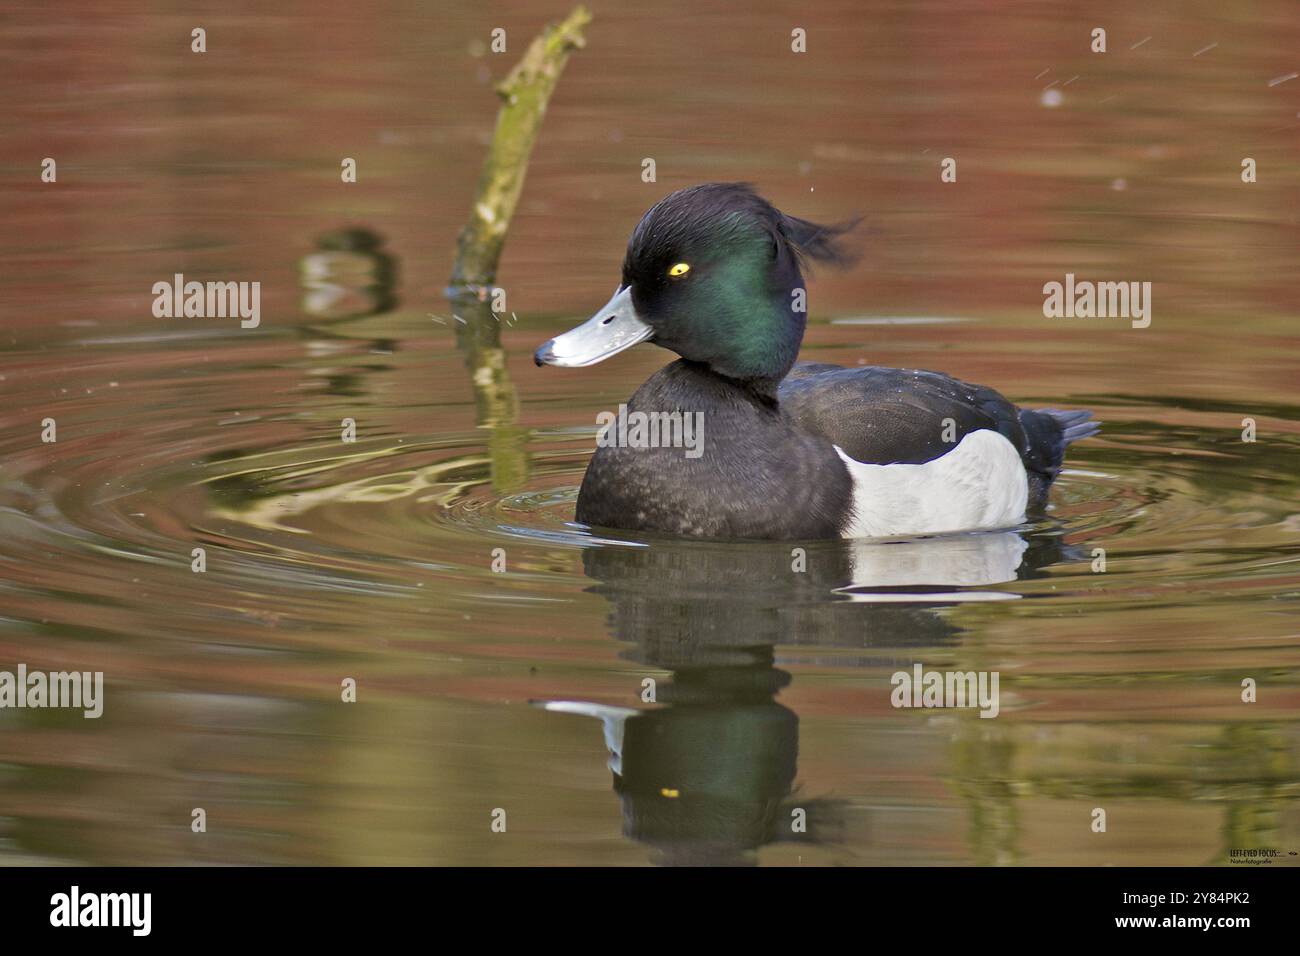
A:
x,y
373,560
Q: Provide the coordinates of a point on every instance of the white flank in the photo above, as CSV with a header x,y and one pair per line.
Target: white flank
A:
x,y
980,484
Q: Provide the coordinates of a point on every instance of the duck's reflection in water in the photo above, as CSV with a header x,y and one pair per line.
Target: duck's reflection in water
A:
x,y
706,772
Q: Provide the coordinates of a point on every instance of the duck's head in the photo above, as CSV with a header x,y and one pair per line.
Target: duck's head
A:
x,y
713,273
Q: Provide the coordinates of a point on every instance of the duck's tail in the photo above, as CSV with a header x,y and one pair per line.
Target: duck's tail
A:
x,y
1075,425
1048,433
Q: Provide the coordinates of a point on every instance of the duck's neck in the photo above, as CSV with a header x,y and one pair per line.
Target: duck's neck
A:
x,y
708,388
761,391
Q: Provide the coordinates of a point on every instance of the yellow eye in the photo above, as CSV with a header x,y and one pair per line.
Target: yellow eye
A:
x,y
679,270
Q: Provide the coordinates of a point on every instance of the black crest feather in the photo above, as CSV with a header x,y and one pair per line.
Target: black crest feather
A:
x,y
816,242
705,209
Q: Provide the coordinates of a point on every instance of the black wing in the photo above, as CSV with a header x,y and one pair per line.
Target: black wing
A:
x,y
885,416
